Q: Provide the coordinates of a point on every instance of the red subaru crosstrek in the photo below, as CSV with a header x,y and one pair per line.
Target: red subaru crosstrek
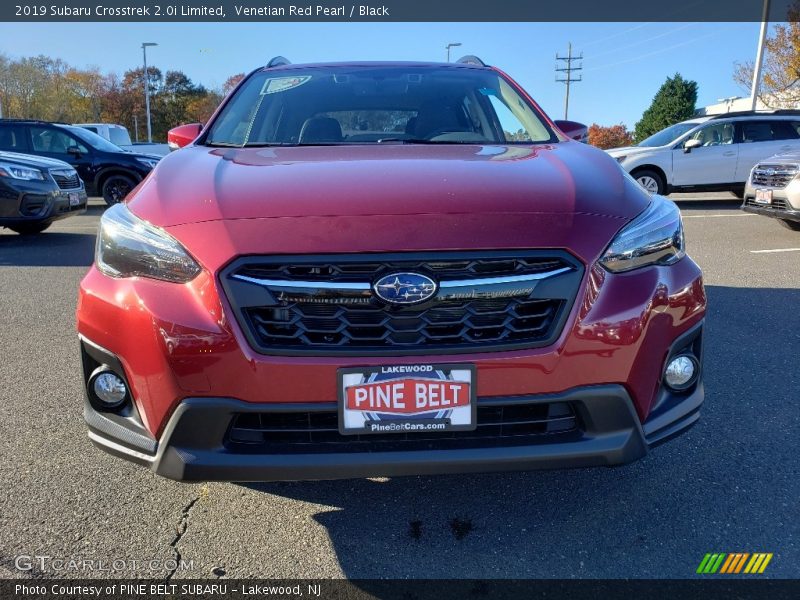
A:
x,y
372,269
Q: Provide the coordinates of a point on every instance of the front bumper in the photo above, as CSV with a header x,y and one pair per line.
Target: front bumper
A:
x,y
30,204
193,446
785,214
196,444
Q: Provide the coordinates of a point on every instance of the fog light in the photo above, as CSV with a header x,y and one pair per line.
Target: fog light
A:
x,y
681,372
110,389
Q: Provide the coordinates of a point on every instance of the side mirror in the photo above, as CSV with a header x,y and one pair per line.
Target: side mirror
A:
x,y
183,135
74,151
689,144
573,129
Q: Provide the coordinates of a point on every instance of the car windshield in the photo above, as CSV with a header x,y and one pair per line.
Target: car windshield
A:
x,y
369,105
92,139
119,136
668,135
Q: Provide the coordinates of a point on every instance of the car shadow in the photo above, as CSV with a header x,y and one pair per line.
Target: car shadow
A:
x,y
48,249
657,517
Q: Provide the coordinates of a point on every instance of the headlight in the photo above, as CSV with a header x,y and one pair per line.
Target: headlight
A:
x,y
655,237
127,246
150,163
18,172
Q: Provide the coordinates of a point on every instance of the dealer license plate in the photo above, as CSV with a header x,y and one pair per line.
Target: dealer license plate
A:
x,y
74,199
407,399
764,196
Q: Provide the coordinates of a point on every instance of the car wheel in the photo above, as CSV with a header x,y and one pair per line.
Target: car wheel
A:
x,y
29,228
651,181
793,225
115,188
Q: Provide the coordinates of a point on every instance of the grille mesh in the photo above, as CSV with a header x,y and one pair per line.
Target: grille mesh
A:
x,y
773,176
320,320
318,432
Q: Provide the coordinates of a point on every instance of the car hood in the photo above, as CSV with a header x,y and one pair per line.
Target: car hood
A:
x,y
628,150
199,183
787,157
39,162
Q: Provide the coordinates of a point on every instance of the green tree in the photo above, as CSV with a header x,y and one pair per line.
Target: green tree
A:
x,y
674,102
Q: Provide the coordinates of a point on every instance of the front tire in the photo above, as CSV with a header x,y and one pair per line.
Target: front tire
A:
x,y
29,228
793,225
115,188
651,181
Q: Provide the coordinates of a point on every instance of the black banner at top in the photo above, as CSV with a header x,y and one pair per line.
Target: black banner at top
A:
x,y
397,10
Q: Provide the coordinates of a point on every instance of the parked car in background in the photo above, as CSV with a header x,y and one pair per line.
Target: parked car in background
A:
x,y
383,269
773,189
36,191
710,154
106,169
119,136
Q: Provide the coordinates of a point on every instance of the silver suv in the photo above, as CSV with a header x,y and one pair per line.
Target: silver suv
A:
x,y
773,189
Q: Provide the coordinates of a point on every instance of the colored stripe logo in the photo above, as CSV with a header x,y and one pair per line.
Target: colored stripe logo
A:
x,y
733,563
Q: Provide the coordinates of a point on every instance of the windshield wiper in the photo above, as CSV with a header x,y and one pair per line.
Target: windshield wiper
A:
x,y
398,140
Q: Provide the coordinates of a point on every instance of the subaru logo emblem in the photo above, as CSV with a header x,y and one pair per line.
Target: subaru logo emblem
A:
x,y
404,288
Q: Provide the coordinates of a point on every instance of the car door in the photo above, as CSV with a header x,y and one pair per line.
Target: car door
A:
x,y
56,143
712,162
762,139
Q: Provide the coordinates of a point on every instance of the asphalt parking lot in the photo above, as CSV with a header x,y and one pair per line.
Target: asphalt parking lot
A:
x,y
731,484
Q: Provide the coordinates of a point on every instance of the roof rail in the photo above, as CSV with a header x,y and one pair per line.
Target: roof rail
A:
x,y
471,59
21,120
758,113
278,61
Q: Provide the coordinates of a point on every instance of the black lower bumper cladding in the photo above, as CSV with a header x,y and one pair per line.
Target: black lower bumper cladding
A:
x,y
193,447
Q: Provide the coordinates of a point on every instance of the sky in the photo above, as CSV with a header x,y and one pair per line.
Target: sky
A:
x,y
624,63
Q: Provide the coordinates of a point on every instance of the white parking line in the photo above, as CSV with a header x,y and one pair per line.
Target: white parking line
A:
x,y
716,216
775,250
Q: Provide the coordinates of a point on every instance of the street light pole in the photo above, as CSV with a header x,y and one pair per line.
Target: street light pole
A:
x,y
759,58
451,45
147,89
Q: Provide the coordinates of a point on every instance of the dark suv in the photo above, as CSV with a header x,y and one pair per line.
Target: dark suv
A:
x,y
106,169
36,191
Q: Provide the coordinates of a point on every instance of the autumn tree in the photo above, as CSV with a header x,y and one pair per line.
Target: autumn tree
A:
x,y
674,102
231,82
614,136
780,79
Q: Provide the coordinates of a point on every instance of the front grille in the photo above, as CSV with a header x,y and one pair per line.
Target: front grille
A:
x,y
773,176
66,179
318,432
325,305
777,203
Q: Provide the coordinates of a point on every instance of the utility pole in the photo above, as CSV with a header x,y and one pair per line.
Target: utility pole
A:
x,y
147,89
569,69
759,58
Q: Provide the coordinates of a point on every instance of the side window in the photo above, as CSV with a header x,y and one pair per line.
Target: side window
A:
x,y
718,134
783,130
53,141
756,131
12,138
513,130
92,129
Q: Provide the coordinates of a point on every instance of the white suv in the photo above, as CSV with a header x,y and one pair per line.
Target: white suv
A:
x,y
710,154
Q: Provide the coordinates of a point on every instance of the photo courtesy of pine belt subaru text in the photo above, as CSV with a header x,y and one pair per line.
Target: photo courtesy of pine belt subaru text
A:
x,y
385,269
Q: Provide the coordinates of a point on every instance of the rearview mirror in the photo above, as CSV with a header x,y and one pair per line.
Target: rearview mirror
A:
x,y
74,151
573,129
689,144
183,135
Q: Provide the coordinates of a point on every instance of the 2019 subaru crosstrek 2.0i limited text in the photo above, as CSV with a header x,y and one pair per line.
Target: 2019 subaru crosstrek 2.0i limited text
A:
x,y
385,269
